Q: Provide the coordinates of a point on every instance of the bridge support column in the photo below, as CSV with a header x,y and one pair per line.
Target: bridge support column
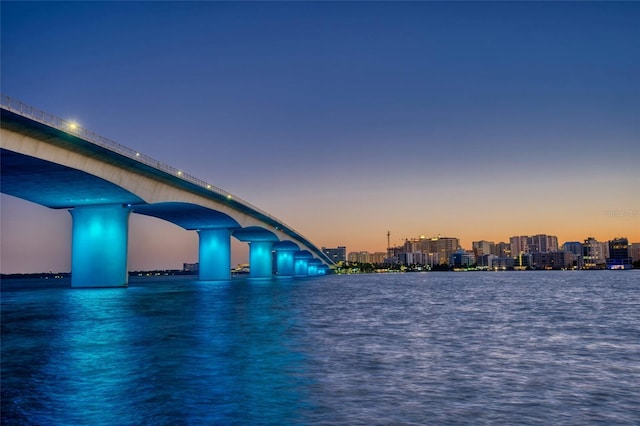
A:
x,y
215,254
302,267
313,267
285,266
301,264
260,259
99,246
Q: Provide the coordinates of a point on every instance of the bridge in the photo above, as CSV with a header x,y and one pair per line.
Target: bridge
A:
x,y
58,164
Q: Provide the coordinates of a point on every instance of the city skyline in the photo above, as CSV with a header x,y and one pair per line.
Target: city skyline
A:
x,y
345,120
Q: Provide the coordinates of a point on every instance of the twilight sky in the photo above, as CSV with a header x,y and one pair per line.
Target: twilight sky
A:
x,y
344,119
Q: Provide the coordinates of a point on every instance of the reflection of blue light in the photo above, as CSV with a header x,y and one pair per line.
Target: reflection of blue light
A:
x,y
215,254
99,246
260,260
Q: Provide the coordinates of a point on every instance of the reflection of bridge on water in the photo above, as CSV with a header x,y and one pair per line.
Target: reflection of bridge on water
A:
x,y
56,163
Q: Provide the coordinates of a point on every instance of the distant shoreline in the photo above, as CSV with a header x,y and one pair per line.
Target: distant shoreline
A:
x,y
158,273
62,275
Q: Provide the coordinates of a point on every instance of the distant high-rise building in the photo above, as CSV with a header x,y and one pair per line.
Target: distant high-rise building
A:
x,y
415,258
483,247
366,257
619,257
519,245
575,249
594,253
424,251
359,256
338,254
502,250
542,243
443,246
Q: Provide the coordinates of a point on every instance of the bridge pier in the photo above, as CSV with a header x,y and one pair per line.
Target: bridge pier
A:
x,y
301,263
99,246
214,254
260,259
285,262
314,265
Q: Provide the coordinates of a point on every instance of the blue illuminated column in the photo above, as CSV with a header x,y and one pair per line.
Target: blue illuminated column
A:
x,y
301,263
99,246
313,265
215,254
285,263
260,259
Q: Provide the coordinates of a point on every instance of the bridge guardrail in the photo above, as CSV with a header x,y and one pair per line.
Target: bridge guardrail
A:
x,y
72,128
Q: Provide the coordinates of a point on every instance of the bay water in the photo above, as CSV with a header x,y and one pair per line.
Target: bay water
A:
x,y
531,348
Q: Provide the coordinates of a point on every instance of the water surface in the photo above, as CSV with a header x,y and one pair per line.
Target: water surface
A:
x,y
416,348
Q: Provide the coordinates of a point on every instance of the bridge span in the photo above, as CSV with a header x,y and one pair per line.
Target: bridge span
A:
x,y
58,164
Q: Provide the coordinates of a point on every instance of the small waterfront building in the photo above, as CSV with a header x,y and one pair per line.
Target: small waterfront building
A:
x,y
552,260
485,261
502,263
462,258
191,267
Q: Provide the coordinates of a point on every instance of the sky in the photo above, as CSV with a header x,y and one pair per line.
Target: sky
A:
x,y
345,120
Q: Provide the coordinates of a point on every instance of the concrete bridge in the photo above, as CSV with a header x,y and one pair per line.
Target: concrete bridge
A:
x,y
56,163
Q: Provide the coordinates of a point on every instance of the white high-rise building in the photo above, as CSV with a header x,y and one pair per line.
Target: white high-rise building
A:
x,y
541,243
519,245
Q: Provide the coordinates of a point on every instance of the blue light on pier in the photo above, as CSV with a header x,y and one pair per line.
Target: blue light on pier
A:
x,y
215,254
99,246
260,259
301,261
285,252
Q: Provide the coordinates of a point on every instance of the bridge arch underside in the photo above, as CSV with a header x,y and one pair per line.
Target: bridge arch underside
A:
x,y
100,210
57,186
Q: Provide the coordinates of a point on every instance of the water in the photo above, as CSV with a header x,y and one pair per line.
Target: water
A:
x,y
436,348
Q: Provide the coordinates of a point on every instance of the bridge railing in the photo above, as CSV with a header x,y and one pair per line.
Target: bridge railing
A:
x,y
72,128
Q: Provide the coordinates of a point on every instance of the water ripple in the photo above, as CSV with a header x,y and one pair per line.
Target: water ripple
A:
x,y
435,348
